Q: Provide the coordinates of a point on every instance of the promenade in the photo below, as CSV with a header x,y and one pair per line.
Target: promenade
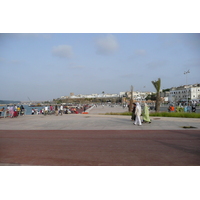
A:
x,y
95,120
96,139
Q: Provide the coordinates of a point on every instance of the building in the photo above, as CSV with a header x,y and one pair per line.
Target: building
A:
x,y
185,93
138,96
165,95
82,96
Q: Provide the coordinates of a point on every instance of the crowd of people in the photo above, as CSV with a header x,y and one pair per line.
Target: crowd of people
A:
x,y
12,111
181,108
58,110
48,110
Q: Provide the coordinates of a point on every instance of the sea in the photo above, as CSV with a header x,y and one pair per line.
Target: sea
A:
x,y
27,108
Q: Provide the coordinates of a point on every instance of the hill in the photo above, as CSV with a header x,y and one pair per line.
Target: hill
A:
x,y
9,102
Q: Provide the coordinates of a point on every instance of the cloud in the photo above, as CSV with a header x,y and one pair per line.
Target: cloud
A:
x,y
62,51
106,45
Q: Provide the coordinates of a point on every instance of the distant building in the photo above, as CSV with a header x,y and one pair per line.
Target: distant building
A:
x,y
185,93
138,96
122,94
165,96
94,96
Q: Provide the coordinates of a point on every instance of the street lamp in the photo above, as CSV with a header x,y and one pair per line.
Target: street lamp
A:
x,y
187,72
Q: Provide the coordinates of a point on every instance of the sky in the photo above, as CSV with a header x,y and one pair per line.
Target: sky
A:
x,y
50,65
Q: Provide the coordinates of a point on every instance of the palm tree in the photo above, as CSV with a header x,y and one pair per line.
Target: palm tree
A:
x,y
157,85
131,100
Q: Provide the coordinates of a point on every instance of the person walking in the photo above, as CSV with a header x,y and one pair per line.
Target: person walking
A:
x,y
32,111
145,114
56,110
11,111
133,112
22,110
137,115
193,108
61,109
1,110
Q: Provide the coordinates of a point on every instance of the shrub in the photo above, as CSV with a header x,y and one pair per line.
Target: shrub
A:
x,y
179,109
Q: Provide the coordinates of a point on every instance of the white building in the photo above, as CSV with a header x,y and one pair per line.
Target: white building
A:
x,y
185,93
94,96
138,95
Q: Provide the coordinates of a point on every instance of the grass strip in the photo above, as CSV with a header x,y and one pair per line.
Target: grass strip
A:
x,y
163,114
175,114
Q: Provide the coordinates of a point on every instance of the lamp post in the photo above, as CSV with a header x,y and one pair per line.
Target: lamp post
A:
x,y
187,72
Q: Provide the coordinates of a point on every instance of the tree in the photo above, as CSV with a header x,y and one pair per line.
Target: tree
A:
x,y
151,97
157,85
131,100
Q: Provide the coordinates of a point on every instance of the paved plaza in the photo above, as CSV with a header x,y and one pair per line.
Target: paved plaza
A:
x,y
95,120
95,139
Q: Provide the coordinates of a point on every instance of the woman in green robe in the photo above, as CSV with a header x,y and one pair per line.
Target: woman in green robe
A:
x,y
145,114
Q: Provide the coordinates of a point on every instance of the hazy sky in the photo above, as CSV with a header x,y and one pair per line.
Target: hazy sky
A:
x,y
47,66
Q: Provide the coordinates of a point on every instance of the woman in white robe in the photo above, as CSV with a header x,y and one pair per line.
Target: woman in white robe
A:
x,y
137,115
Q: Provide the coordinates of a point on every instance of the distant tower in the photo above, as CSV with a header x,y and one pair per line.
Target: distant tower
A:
x,y
71,94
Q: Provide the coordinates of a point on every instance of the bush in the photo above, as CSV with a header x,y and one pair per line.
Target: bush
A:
x,y
179,109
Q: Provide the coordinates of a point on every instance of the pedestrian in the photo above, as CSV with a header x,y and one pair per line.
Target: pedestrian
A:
x,y
46,110
188,108
137,115
185,108
133,112
1,110
61,109
32,111
193,108
51,108
84,107
145,114
11,111
22,110
171,108
56,110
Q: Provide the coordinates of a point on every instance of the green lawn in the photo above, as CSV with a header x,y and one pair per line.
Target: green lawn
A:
x,y
163,114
